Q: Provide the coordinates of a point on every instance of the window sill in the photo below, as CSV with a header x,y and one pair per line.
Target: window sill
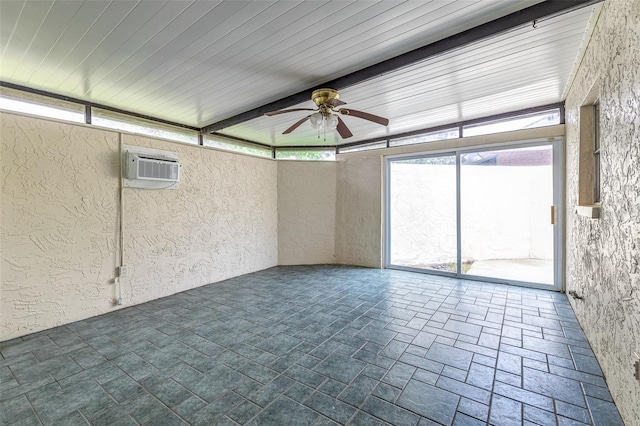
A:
x,y
591,211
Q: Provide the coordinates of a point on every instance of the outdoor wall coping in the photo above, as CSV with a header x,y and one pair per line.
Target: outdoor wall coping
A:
x,y
591,211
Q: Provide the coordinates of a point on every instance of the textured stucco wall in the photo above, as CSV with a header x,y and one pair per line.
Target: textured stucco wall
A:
x,y
505,213
59,233
59,205
603,255
306,212
359,211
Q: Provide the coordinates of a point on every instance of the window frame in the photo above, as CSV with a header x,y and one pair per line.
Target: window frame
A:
x,y
589,165
305,154
236,147
20,102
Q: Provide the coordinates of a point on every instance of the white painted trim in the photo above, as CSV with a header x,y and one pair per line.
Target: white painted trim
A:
x,y
559,182
592,211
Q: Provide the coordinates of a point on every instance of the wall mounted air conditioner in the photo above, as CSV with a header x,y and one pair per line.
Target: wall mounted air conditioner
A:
x,y
148,168
152,167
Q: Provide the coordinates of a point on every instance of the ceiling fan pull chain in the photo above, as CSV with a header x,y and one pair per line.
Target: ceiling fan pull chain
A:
x,y
324,128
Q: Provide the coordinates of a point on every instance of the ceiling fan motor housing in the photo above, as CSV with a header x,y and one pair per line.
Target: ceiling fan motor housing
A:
x,y
321,96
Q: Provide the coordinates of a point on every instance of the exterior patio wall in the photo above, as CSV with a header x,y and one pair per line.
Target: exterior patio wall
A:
x,y
59,212
306,212
359,211
495,226
603,255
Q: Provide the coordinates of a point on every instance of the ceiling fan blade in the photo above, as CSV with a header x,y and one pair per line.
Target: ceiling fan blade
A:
x,y
296,125
342,129
333,102
360,114
282,111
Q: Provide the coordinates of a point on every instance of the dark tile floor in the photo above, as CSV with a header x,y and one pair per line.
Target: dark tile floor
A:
x,y
315,345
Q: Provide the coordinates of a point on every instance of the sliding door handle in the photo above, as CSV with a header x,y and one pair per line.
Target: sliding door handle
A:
x,y
553,215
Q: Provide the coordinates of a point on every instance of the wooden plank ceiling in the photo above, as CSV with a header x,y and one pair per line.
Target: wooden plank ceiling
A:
x,y
200,62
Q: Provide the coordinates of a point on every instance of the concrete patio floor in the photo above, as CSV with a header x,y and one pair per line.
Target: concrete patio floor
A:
x,y
529,270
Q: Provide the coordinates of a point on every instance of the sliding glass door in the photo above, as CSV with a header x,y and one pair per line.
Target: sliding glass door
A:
x,y
423,194
486,214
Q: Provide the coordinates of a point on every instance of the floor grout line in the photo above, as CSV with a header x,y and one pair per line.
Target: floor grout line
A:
x,y
328,320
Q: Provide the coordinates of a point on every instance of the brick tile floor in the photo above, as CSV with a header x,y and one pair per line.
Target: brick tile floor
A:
x,y
315,345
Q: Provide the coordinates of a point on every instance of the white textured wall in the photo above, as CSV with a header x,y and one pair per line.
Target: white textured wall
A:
x,y
422,214
359,211
505,213
306,212
603,255
59,206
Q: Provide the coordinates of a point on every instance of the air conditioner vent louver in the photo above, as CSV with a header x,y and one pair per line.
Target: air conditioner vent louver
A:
x,y
158,168
150,169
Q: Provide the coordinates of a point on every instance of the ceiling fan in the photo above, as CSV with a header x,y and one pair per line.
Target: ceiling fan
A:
x,y
327,116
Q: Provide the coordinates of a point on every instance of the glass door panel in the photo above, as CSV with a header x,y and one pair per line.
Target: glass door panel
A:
x,y
422,225
505,205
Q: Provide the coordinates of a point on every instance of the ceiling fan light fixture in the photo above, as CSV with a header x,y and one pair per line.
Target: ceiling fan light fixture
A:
x,y
332,122
316,120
